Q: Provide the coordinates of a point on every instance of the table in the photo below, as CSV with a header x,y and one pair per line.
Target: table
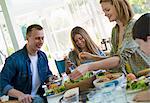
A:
x,y
57,98
11,101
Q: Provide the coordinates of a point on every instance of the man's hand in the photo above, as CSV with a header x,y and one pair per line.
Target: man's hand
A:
x,y
25,98
22,98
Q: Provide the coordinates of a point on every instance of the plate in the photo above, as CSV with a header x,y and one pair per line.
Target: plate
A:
x,y
134,91
54,95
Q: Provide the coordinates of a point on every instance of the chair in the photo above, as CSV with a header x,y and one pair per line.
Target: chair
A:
x,y
60,64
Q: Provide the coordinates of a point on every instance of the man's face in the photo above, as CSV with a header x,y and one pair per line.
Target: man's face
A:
x,y
35,40
142,42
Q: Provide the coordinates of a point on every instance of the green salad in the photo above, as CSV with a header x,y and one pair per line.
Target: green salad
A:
x,y
85,76
136,84
55,91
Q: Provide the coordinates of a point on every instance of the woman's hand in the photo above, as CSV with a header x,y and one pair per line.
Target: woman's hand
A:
x,y
85,56
69,63
79,71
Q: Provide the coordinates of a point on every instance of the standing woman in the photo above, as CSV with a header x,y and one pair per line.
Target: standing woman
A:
x,y
121,12
85,50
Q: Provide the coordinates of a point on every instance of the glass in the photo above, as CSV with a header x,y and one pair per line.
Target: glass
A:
x,y
95,97
120,94
107,91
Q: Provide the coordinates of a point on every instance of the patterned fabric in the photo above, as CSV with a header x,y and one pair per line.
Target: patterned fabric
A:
x,y
115,49
132,55
115,37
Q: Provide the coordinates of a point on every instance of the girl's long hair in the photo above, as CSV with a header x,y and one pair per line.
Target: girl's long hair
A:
x,y
91,46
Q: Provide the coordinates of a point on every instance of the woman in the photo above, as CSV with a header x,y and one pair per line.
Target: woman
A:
x,y
85,50
119,11
135,52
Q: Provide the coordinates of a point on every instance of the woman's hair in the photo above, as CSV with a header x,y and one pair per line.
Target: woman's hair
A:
x,y
123,9
92,47
141,28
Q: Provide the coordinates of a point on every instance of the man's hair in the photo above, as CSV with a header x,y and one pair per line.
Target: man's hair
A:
x,y
33,26
123,9
141,28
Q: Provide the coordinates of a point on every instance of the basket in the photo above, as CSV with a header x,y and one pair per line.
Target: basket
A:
x,y
83,85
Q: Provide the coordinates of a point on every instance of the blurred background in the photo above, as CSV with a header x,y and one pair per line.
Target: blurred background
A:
x,y
57,17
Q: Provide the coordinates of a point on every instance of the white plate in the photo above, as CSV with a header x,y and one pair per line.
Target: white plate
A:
x,y
50,96
134,91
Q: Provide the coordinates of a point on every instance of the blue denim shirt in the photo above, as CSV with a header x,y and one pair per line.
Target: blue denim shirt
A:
x,y
17,74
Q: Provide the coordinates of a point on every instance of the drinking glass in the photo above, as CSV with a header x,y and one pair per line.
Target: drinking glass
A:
x,y
120,94
94,97
107,91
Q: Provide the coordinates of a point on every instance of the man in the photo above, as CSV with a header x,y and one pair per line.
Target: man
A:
x,y
26,70
135,53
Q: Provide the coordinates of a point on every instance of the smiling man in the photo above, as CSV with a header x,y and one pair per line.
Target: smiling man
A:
x,y
26,70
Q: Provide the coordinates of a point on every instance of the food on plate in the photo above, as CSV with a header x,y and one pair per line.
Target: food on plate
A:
x,y
115,78
52,86
136,84
55,90
85,76
84,83
110,76
105,79
131,77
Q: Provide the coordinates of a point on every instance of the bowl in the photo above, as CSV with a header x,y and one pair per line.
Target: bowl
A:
x,y
116,78
83,85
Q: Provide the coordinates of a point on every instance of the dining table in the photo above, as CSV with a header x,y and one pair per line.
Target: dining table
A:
x,y
129,96
10,101
57,99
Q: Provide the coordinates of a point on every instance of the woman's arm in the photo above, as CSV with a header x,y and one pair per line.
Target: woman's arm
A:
x,y
144,72
106,64
89,56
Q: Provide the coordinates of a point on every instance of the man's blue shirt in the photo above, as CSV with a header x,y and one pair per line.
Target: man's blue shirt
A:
x,y
17,74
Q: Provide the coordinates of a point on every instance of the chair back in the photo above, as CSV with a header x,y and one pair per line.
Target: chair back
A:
x,y
60,64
